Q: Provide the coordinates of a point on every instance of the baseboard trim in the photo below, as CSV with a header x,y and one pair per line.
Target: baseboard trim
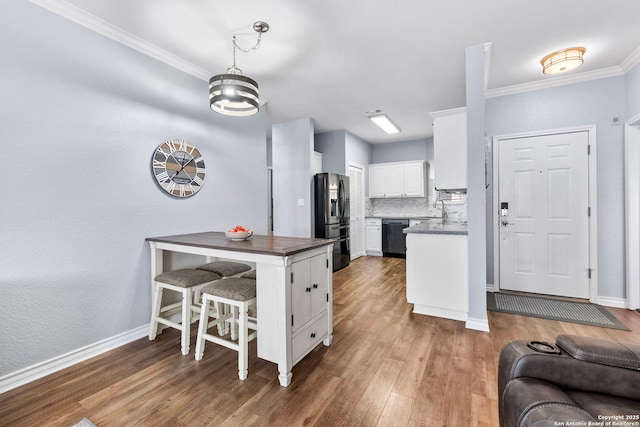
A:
x,y
42,369
612,302
477,324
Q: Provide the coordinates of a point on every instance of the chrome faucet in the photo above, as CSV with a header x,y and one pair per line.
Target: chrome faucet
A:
x,y
444,215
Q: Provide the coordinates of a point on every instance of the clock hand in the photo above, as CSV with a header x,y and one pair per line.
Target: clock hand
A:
x,y
183,166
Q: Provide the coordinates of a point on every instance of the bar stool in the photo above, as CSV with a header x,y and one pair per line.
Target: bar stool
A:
x,y
225,268
186,282
240,294
249,275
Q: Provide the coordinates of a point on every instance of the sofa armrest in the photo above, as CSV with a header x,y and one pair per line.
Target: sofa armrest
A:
x,y
517,360
604,352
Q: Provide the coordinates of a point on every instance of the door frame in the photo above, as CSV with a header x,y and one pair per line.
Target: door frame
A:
x,y
632,209
593,200
355,165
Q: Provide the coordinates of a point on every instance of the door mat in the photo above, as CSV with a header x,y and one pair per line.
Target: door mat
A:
x,y
547,308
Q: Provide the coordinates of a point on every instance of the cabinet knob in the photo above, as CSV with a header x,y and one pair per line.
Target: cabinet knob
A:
x,y
315,286
313,334
308,289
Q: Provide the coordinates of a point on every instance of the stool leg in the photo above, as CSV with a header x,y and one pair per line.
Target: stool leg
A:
x,y
243,342
202,328
156,304
234,323
219,309
186,320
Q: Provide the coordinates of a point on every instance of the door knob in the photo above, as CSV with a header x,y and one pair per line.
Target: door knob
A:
x,y
504,222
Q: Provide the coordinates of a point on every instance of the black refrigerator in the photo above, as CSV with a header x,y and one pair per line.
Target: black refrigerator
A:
x,y
332,214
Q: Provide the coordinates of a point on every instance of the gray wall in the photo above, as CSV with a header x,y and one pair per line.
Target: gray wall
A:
x,y
332,145
81,117
476,193
292,146
592,102
415,149
633,92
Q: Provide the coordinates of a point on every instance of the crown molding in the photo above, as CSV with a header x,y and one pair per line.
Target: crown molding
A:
x,y
117,34
631,61
555,82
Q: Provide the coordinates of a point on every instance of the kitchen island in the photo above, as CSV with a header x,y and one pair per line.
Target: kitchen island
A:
x,y
437,269
294,288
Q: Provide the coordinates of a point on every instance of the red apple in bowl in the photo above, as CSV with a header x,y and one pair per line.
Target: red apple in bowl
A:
x,y
238,233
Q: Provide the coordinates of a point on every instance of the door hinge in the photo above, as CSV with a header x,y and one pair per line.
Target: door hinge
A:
x,y
588,149
292,320
589,270
589,211
292,277
327,296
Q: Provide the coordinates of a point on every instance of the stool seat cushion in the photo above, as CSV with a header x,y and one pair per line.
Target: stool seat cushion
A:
x,y
234,288
225,268
187,278
249,275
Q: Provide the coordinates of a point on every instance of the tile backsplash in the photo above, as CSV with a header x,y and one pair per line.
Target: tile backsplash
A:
x,y
415,207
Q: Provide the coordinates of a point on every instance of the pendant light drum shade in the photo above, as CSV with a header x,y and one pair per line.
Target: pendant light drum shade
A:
x,y
233,94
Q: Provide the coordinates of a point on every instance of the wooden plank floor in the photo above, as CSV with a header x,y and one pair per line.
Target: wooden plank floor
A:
x,y
386,367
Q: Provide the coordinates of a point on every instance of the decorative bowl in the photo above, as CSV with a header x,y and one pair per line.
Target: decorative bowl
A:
x,y
238,235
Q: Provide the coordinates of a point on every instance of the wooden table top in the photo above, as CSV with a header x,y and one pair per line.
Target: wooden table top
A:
x,y
259,244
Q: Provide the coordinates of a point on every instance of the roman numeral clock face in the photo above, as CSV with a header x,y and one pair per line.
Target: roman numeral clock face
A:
x,y
179,168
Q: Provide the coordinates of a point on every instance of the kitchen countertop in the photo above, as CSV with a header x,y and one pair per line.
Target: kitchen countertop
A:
x,y
256,244
438,227
423,218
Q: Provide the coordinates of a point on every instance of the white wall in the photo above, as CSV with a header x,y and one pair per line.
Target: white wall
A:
x,y
81,117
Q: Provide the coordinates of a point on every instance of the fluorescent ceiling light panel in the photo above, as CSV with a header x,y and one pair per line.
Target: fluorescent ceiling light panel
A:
x,y
385,123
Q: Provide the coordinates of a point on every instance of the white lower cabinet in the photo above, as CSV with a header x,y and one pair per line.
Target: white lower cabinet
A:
x,y
310,304
373,236
437,275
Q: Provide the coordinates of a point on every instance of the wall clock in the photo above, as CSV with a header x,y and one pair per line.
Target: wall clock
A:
x,y
178,168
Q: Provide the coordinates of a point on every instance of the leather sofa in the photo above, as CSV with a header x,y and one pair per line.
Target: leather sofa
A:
x,y
579,381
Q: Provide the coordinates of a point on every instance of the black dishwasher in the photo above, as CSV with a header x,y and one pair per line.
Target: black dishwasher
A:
x,y
394,241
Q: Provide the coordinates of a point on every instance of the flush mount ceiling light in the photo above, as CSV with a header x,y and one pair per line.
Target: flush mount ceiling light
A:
x,y
562,60
233,94
383,121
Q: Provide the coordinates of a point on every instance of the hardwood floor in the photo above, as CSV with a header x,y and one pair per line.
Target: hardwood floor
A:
x,y
386,367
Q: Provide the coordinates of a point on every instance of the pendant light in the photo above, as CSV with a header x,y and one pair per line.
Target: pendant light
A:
x,y
232,93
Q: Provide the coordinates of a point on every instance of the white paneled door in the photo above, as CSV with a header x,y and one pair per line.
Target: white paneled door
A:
x,y
356,208
544,214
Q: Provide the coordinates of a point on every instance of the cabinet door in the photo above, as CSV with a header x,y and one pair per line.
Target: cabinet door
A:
x,y
374,238
450,150
414,179
300,293
386,181
319,285
376,181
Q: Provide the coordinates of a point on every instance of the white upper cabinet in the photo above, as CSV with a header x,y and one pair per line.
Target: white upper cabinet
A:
x,y
398,179
450,149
